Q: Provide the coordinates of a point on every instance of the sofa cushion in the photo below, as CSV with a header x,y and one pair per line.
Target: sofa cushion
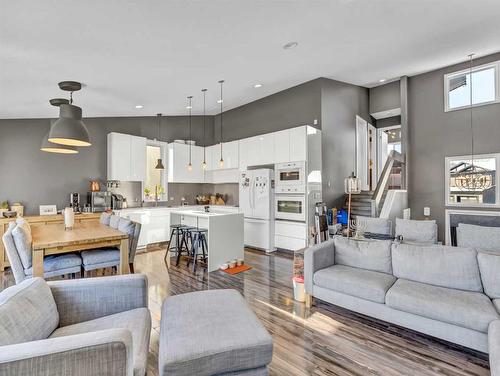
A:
x,y
217,333
494,347
489,266
370,255
376,225
413,231
496,303
28,312
364,284
438,265
479,237
23,240
137,321
472,310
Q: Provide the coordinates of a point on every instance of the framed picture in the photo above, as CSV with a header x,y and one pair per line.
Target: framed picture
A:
x,y
453,217
48,210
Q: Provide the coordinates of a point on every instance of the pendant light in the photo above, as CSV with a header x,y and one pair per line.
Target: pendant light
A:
x,y
221,161
50,147
69,129
204,163
190,106
473,178
159,165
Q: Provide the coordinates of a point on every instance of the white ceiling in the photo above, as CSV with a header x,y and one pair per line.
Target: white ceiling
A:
x,y
157,52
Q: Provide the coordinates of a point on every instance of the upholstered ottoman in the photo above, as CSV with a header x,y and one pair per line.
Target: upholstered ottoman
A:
x,y
212,333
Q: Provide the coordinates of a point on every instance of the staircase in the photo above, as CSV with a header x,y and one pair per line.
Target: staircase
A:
x,y
361,204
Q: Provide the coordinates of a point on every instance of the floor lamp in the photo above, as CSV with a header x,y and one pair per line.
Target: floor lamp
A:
x,y
352,186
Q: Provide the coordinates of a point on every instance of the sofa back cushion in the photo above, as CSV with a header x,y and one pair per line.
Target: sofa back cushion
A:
x,y
28,312
23,241
479,237
376,225
370,255
413,231
437,265
489,266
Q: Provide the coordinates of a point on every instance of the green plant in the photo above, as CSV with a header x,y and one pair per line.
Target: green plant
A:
x,y
160,190
4,205
147,191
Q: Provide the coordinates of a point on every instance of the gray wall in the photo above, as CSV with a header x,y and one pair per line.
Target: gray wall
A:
x,y
384,97
435,135
387,122
34,177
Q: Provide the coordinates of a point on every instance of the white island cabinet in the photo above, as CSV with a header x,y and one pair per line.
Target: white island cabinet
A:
x,y
225,233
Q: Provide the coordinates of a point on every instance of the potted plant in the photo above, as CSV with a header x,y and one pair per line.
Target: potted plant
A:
x,y
147,192
4,207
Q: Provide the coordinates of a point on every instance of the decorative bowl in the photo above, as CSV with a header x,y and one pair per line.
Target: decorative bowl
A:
x,y
232,264
10,214
224,266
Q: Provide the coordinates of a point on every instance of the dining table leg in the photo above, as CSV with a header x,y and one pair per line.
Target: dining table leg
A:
x,y
37,262
124,268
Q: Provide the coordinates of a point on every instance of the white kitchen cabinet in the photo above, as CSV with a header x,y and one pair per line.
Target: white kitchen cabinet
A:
x,y
178,160
282,146
256,151
298,144
265,153
126,159
230,154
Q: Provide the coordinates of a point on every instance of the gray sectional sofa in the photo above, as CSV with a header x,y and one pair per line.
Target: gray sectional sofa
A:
x,y
450,293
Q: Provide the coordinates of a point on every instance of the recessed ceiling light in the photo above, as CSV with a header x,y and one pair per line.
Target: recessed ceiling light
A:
x,y
220,101
257,86
139,106
381,80
290,45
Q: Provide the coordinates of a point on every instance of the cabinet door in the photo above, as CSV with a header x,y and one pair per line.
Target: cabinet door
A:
x,y
178,159
282,146
216,156
118,156
138,158
298,144
265,153
243,152
230,154
197,175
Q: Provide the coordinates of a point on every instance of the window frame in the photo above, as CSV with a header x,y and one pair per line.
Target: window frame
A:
x,y
163,179
448,76
447,162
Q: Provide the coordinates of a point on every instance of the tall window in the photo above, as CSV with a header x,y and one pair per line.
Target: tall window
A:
x,y
485,87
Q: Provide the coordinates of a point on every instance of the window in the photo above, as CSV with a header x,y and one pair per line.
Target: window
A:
x,y
155,184
485,87
484,170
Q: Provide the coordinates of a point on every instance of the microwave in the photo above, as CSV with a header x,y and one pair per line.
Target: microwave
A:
x,y
290,177
290,207
99,201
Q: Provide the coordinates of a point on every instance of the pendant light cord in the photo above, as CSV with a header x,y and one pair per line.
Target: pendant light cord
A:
x,y
159,121
470,112
190,109
204,116
221,100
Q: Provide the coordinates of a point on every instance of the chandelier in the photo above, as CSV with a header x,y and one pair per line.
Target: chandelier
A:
x,y
473,177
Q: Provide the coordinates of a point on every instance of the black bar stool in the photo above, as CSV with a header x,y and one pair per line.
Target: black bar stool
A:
x,y
186,243
176,230
199,241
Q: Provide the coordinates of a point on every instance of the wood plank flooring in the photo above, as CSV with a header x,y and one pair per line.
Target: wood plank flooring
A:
x,y
324,340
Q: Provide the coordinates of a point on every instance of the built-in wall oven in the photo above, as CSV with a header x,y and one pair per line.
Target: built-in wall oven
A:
x,y
290,177
290,207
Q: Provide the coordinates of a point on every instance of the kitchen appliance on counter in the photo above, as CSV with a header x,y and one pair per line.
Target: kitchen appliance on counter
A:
x,y
290,207
95,186
256,198
320,223
117,201
74,202
291,177
99,201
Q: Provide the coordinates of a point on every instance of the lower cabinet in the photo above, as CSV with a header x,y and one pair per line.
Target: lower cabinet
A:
x,y
290,235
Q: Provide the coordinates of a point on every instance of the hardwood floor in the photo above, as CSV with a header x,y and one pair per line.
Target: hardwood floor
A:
x,y
324,340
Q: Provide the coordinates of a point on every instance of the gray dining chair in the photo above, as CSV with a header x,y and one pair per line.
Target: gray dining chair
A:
x,y
18,244
102,258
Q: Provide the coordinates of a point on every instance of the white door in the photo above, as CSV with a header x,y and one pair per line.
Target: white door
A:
x,y
261,196
383,142
362,152
245,202
372,156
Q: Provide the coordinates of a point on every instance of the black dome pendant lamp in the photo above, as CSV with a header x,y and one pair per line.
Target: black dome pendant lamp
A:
x,y
159,164
50,147
69,129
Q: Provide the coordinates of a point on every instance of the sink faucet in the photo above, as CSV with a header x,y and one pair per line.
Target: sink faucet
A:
x,y
207,209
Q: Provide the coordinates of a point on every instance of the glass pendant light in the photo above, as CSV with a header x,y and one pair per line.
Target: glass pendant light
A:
x,y
69,129
221,161
190,106
159,165
204,163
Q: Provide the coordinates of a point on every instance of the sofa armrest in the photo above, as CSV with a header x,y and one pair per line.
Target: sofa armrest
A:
x,y
494,347
86,299
317,257
105,352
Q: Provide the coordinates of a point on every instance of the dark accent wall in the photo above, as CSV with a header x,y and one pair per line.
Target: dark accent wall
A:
x,y
387,122
435,134
34,177
384,97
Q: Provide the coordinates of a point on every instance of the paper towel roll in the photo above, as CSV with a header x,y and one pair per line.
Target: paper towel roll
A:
x,y
69,218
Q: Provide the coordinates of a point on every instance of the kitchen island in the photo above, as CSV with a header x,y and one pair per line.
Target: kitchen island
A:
x,y
225,233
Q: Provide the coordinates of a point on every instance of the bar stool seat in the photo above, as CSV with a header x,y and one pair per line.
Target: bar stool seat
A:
x,y
199,241
176,230
186,243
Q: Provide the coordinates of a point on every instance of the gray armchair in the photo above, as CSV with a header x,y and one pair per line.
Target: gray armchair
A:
x,y
96,326
317,257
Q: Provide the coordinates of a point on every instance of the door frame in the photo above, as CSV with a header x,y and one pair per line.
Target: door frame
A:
x,y
379,131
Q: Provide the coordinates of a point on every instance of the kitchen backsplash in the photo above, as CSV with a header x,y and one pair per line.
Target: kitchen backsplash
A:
x,y
131,190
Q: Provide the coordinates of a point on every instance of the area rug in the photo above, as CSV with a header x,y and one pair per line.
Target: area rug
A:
x,y
238,269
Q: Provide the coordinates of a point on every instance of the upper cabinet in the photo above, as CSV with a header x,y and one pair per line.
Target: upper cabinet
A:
x,y
126,157
230,155
256,151
282,146
298,144
178,161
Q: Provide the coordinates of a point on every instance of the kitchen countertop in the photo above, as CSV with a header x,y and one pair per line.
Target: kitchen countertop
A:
x,y
201,213
177,208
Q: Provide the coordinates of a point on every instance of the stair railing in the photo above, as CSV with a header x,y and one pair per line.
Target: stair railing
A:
x,y
383,181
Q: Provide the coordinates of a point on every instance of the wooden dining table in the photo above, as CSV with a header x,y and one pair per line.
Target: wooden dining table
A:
x,y
53,239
